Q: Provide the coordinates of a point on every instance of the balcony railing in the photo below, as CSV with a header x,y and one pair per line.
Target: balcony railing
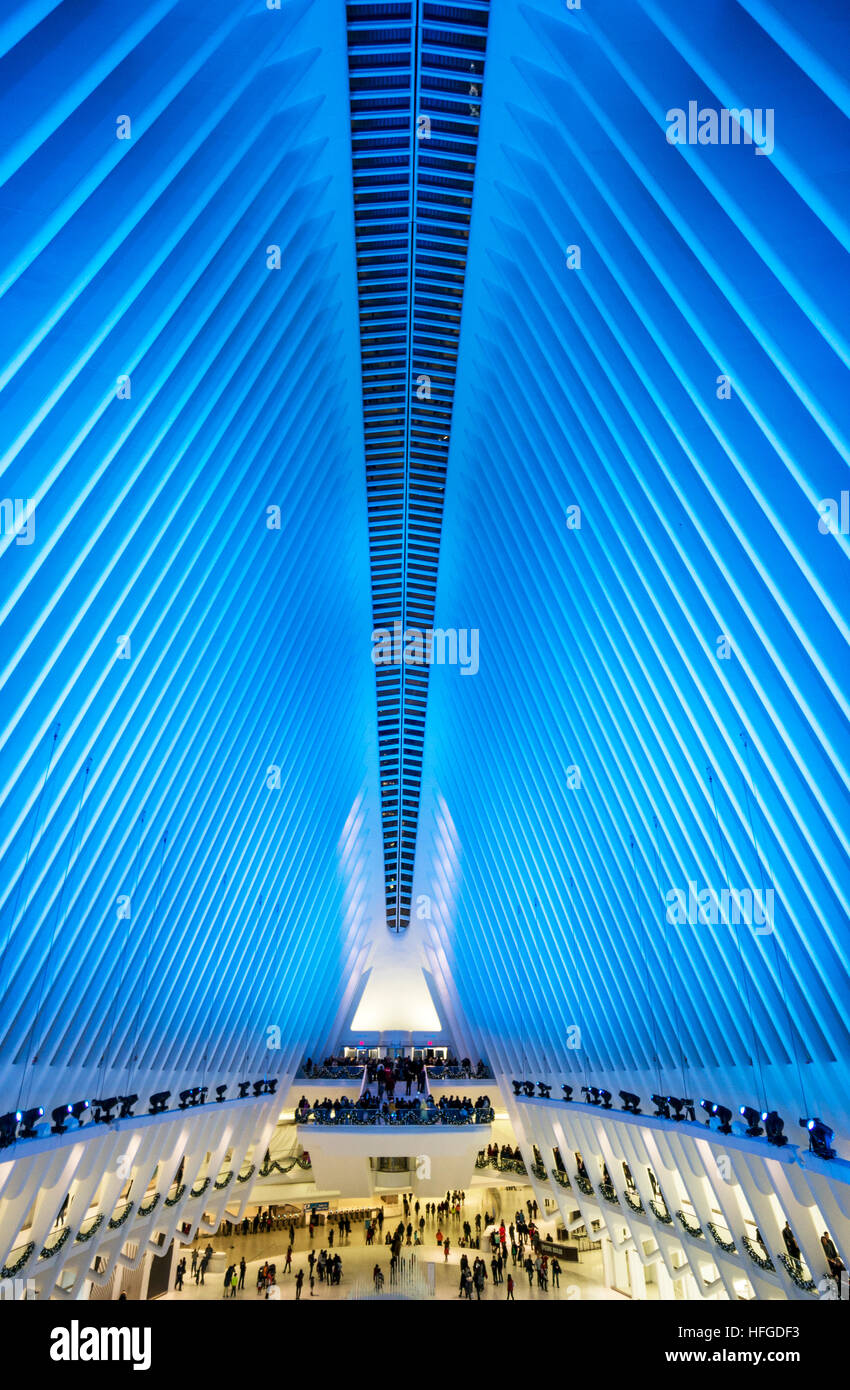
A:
x,y
415,1116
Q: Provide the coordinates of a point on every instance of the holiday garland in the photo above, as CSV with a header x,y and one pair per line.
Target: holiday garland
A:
x,y
607,1190
199,1191
808,1285
222,1182
634,1202
584,1185
148,1208
691,1230
9,1271
763,1261
662,1216
50,1250
116,1221
244,1177
539,1172
83,1236
172,1201
728,1245
561,1178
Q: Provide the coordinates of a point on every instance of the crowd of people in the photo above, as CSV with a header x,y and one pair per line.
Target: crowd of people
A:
x,y
369,1108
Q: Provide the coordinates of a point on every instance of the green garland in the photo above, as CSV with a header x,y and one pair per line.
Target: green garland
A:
x,y
763,1261
635,1205
302,1161
116,1221
83,1236
172,1201
663,1216
50,1250
9,1271
221,1183
585,1185
807,1285
539,1172
691,1230
146,1210
728,1245
245,1177
561,1178
607,1190
199,1191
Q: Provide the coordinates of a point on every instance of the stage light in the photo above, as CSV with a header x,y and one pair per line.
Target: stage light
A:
x,y
567,1090
219,1092
517,1085
271,1085
820,1137
60,1115
591,1095
528,1087
708,1107
662,1109
631,1102
604,1098
724,1115
187,1098
544,1090
29,1119
127,1103
78,1109
752,1118
9,1128
103,1110
774,1125
244,1088
159,1102
259,1087
682,1105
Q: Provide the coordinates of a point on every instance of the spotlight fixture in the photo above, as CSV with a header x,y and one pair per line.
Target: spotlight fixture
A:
x,y
631,1102
188,1097
103,1110
682,1105
544,1089
159,1102
591,1094
60,1115
604,1099
708,1107
29,1119
517,1085
662,1109
259,1087
219,1092
78,1109
9,1128
271,1085
724,1115
244,1088
528,1087
127,1103
774,1125
752,1118
820,1137
567,1090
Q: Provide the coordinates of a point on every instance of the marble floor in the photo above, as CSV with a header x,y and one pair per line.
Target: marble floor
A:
x,y
582,1280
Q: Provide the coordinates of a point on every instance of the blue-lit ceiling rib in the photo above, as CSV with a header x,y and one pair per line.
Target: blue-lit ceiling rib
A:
x,y
416,79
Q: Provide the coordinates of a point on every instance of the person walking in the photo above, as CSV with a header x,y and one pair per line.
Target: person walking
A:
x,y
194,1262
299,1280
287,1264
511,1288
178,1279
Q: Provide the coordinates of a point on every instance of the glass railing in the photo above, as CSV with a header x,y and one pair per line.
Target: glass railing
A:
x,y
356,1115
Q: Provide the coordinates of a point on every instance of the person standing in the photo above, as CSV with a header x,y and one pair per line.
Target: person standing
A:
x,y
511,1288
556,1274
299,1280
242,1268
194,1262
287,1264
234,1283
178,1278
